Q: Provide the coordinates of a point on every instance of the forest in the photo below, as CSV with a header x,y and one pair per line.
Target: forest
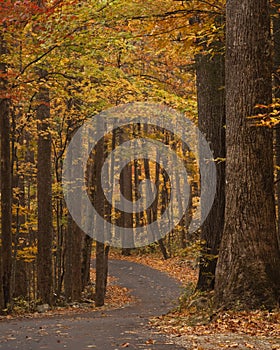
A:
x,y
201,80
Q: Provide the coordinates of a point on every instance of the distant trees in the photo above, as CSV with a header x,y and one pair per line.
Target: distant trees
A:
x,y
61,64
57,69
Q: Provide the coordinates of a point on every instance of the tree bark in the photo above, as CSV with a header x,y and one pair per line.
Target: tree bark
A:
x,y
101,268
210,79
6,186
86,261
101,261
126,190
44,197
74,238
276,83
248,269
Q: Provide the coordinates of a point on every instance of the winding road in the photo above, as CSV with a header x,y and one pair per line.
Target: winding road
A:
x,y
103,330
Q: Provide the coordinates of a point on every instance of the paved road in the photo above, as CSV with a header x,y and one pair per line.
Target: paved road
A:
x,y
116,329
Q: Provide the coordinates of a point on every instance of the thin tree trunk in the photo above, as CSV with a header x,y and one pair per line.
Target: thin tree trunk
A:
x,y
68,276
59,239
74,239
101,268
6,186
73,265
44,197
155,208
19,284
126,190
75,236
211,122
99,204
86,261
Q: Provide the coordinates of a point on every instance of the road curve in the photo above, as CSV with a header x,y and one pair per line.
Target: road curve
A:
x,y
103,330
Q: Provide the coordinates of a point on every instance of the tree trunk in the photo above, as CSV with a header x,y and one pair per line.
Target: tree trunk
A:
x,y
60,226
19,282
6,186
276,83
101,268
74,239
126,190
210,79
44,197
155,205
73,261
248,269
86,261
68,277
99,204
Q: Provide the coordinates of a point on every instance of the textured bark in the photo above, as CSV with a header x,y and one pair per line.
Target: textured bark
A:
x,y
86,261
6,187
60,228
73,261
276,81
101,262
68,277
77,235
21,280
126,190
101,268
44,191
74,239
44,197
248,269
211,121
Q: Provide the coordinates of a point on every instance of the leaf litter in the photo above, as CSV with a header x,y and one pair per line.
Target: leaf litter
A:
x,y
195,326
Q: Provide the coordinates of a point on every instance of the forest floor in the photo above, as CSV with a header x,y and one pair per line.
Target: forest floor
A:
x,y
193,324
137,315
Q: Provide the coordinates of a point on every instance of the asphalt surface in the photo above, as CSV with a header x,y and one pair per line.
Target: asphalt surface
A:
x,y
125,328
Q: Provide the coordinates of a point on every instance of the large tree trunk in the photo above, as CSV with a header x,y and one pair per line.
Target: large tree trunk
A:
x,y
44,196
276,81
6,187
211,122
248,269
